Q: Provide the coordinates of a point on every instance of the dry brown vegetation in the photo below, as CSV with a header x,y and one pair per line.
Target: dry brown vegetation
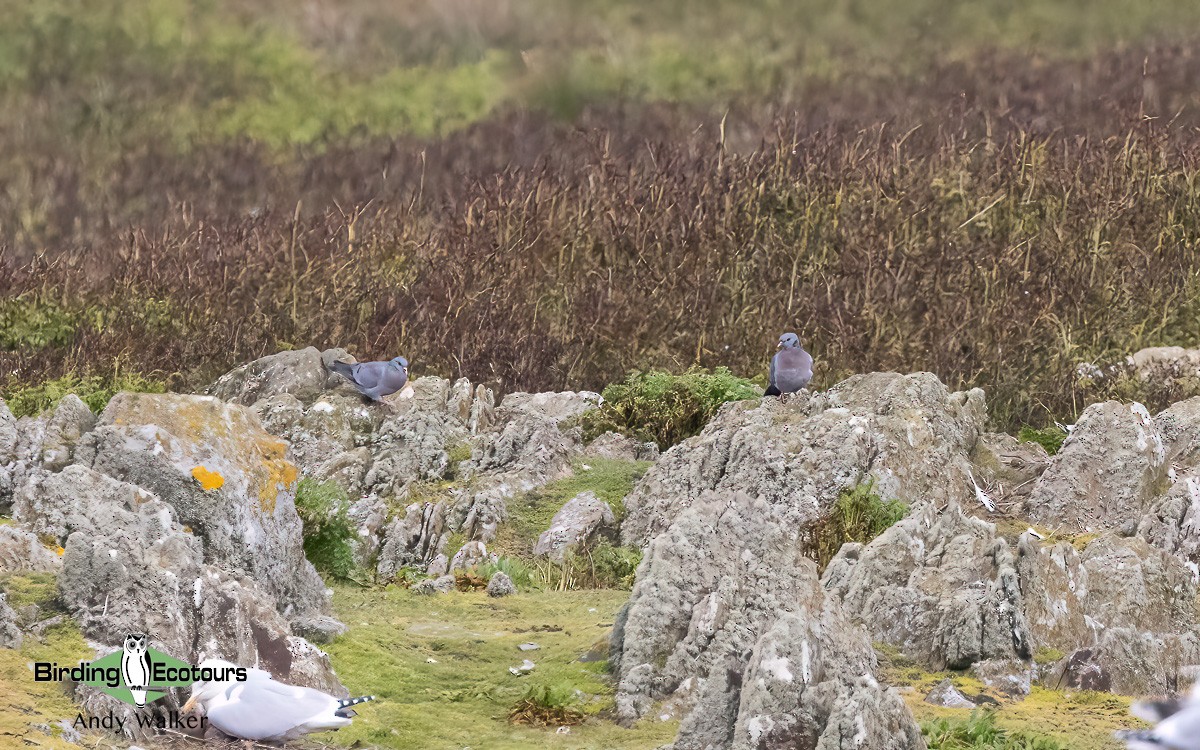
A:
x,y
996,224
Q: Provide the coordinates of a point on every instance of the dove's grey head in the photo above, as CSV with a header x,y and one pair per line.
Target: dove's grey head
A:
x,y
400,361
789,341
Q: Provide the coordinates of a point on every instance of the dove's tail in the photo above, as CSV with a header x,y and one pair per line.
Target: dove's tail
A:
x,y
343,709
342,368
772,391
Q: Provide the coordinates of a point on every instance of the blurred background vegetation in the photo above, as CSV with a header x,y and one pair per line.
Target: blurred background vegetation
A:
x,y
548,195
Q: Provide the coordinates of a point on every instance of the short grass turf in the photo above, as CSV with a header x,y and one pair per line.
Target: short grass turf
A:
x,y
440,668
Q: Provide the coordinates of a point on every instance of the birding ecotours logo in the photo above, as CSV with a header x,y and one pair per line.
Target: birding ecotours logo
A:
x,y
137,674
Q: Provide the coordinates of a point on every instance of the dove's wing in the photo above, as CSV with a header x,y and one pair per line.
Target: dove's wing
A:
x,y
263,709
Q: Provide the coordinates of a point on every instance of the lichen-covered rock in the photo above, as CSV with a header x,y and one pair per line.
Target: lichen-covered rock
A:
x,y
1123,609
941,587
1173,520
501,585
728,610
574,524
1012,677
130,566
22,552
1109,470
226,478
908,433
1168,367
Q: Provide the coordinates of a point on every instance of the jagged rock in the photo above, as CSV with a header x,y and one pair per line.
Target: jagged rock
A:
x,y
725,591
1173,521
501,585
10,632
414,539
303,374
1012,677
70,420
1109,470
440,585
574,524
906,432
21,551
226,478
944,694
1122,608
369,515
528,445
468,556
941,587
614,446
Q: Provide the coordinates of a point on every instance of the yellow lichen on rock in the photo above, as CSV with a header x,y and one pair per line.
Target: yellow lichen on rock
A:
x,y
209,480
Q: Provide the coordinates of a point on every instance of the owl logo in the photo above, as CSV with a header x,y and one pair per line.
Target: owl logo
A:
x,y
135,667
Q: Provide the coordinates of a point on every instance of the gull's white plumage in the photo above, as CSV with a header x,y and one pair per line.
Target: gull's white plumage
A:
x,y
261,708
1178,726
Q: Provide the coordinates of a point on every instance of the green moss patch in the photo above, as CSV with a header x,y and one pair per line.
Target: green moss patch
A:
x,y
440,668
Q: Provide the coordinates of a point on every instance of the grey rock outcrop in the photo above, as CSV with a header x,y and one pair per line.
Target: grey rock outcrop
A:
x,y
225,477
941,587
574,524
725,591
1121,609
131,566
1109,471
908,433
303,373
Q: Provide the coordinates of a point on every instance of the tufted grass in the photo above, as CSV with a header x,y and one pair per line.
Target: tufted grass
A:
x,y
859,515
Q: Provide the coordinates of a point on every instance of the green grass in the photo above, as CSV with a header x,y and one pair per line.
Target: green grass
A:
x,y
328,531
666,408
465,696
859,515
1051,438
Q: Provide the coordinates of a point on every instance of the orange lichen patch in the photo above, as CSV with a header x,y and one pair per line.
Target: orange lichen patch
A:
x,y
209,480
280,474
59,550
